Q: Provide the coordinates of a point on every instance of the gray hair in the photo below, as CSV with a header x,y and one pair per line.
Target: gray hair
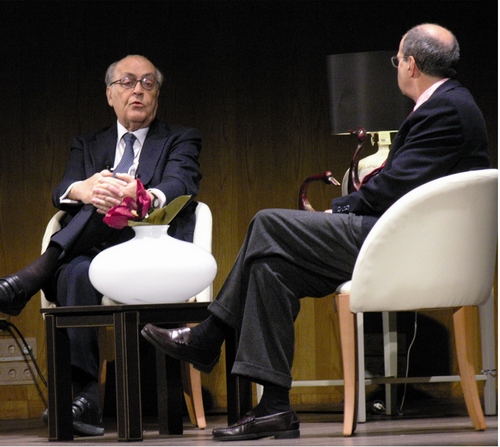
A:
x,y
432,56
110,72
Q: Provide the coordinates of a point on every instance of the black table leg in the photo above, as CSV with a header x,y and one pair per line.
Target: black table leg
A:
x,y
125,320
128,380
170,394
59,381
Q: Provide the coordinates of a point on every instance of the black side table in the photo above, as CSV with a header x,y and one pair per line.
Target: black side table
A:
x,y
127,321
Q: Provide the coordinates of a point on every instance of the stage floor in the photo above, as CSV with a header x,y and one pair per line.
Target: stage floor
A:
x,y
436,424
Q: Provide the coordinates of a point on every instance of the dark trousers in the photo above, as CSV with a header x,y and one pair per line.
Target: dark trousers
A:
x,y
286,255
82,237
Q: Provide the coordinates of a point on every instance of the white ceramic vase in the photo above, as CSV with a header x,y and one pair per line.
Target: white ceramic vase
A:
x,y
152,267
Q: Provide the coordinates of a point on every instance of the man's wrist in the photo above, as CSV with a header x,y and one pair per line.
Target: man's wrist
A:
x,y
71,193
155,202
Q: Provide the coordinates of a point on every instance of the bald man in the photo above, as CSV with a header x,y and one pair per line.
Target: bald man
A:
x,y
288,254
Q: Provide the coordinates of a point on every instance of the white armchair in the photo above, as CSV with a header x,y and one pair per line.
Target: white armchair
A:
x,y
434,248
191,377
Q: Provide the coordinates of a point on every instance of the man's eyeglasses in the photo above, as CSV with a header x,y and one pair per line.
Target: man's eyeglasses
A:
x,y
129,82
395,60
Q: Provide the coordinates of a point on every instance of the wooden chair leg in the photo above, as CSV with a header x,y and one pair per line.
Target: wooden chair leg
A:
x,y
191,383
347,325
103,364
462,323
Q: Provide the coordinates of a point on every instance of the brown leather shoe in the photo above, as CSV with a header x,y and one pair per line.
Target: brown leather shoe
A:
x,y
280,425
178,343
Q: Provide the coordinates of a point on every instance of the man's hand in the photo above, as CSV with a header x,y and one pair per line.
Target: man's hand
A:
x,y
110,190
83,191
103,190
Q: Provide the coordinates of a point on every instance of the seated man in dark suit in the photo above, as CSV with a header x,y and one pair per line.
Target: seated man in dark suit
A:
x,y
103,169
288,255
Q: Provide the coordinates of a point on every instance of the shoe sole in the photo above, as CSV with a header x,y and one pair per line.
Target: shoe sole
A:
x,y
286,434
82,429
201,367
79,428
12,311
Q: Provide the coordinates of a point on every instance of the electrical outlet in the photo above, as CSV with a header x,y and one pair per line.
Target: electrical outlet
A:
x,y
10,352
16,373
13,368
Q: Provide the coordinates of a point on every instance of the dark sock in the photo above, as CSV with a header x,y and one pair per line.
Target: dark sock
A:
x,y
35,275
212,331
275,399
85,385
89,391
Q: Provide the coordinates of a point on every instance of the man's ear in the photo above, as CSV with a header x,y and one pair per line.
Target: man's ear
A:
x,y
412,67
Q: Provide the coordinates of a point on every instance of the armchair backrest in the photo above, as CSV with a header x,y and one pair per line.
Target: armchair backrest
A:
x,y
202,237
52,227
434,248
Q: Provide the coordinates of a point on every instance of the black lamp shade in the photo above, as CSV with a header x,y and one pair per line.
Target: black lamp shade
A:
x,y
364,92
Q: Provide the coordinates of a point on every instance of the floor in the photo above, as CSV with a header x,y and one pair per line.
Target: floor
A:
x,y
429,423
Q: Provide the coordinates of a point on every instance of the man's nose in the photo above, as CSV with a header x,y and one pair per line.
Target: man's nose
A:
x,y
138,89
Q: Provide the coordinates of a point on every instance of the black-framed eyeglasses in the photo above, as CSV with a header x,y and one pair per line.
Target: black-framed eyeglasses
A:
x,y
129,82
395,60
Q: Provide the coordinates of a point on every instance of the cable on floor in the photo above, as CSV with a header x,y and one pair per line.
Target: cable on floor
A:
x,y
400,411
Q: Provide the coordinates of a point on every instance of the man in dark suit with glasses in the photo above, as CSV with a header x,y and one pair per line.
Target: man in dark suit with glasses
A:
x,y
103,169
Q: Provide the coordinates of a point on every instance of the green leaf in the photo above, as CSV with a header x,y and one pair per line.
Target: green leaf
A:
x,y
165,215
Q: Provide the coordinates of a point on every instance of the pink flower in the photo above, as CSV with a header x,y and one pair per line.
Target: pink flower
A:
x,y
143,200
130,209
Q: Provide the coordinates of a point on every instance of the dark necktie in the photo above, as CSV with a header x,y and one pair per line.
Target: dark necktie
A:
x,y
128,155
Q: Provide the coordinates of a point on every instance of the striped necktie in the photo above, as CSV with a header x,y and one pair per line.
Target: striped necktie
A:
x,y
128,156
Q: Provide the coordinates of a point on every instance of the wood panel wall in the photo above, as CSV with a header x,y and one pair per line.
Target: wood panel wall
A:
x,y
250,75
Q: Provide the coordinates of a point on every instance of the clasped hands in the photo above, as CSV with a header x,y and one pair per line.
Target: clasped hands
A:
x,y
105,190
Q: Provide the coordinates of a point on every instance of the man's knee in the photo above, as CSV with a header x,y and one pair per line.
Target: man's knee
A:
x,y
269,215
78,269
74,286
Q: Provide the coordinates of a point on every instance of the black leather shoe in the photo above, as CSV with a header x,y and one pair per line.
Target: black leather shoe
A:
x,y
87,419
280,425
13,296
178,343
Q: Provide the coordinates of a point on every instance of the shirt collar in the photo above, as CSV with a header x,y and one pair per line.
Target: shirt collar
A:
x,y
428,93
140,134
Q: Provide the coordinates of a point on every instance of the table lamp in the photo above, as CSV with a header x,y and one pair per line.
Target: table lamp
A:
x,y
365,99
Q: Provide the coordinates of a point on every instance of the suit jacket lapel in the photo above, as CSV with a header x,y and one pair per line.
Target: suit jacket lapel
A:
x,y
102,149
151,153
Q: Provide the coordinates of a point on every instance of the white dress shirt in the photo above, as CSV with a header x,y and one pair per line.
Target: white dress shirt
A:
x,y
140,135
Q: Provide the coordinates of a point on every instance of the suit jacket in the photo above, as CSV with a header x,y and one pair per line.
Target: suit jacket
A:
x,y
168,162
445,135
